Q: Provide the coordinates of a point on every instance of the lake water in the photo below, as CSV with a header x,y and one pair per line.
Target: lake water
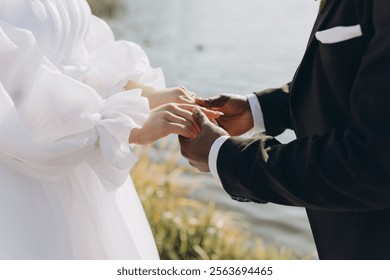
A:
x,y
214,46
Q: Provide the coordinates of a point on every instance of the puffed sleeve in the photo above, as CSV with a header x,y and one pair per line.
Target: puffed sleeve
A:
x,y
51,123
113,63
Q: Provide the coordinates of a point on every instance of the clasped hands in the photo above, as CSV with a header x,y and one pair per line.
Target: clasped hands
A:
x,y
171,113
236,120
198,122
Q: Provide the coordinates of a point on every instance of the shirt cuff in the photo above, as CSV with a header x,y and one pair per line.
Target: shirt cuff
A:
x,y
213,155
257,114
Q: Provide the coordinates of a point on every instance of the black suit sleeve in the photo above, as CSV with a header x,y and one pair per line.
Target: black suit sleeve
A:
x,y
346,169
275,107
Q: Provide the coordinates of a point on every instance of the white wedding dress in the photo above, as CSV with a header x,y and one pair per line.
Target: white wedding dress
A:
x,y
65,190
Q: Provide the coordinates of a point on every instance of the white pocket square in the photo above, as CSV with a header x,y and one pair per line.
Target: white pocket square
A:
x,y
338,34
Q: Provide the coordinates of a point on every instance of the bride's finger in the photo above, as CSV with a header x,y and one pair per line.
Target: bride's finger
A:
x,y
209,113
180,129
214,122
186,115
185,119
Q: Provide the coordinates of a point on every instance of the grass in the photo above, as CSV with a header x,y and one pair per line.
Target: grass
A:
x,y
187,229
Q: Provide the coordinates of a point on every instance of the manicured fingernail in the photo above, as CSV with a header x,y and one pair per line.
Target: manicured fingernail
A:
x,y
216,113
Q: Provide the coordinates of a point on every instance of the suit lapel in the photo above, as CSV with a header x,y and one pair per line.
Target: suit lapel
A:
x,y
327,8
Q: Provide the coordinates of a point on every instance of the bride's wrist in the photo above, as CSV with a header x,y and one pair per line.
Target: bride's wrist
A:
x,y
134,136
147,92
155,97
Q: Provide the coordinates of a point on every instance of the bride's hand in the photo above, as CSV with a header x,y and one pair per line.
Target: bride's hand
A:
x,y
167,119
179,95
158,97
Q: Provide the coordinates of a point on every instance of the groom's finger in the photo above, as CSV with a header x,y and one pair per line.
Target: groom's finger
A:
x,y
199,117
185,146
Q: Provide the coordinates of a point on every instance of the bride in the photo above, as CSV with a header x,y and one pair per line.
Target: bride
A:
x,y
71,100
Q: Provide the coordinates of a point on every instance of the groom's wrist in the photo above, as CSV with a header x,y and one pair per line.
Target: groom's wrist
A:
x,y
213,155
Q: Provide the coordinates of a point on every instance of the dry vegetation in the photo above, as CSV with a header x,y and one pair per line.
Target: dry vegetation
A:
x,y
189,229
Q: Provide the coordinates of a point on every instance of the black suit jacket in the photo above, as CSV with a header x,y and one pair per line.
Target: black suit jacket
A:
x,y
339,167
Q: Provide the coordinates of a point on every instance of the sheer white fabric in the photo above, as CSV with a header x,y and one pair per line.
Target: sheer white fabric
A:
x,y
65,191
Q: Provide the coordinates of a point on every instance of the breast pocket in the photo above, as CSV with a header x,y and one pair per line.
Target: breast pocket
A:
x,y
339,34
341,49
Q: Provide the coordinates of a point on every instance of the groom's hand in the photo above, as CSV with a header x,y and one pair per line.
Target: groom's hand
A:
x,y
197,150
237,118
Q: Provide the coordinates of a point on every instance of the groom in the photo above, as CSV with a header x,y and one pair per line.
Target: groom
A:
x,y
338,104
